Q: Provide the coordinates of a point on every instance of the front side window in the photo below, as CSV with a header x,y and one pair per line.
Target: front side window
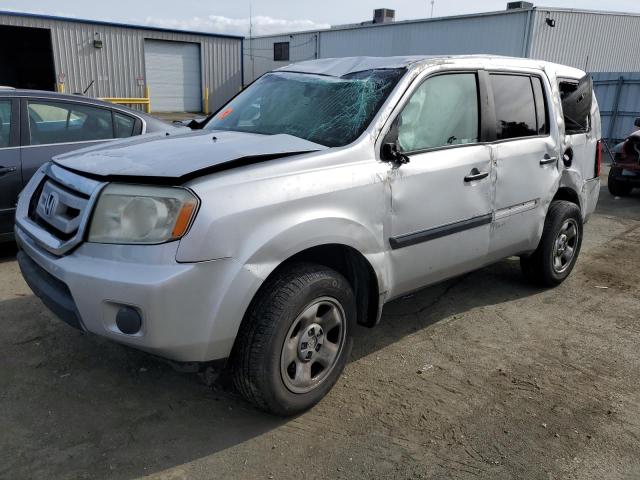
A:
x,y
5,123
62,122
515,106
443,111
331,111
281,51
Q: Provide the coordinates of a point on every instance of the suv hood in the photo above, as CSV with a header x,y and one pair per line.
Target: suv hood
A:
x,y
171,157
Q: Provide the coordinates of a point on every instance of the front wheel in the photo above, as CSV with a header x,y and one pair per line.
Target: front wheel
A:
x,y
295,339
551,263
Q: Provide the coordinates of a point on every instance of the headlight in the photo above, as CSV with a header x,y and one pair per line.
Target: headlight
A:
x,y
142,214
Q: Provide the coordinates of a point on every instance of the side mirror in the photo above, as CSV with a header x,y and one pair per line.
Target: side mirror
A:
x,y
195,125
391,153
636,122
576,106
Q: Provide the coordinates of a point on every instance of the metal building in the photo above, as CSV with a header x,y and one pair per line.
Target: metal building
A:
x,y
591,40
183,71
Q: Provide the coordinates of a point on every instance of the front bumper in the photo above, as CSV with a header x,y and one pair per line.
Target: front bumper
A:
x,y
190,311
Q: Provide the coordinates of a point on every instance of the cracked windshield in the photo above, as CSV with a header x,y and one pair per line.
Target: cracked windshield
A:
x,y
326,110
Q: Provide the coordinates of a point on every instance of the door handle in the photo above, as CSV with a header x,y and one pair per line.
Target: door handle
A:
x,y
5,170
475,174
548,159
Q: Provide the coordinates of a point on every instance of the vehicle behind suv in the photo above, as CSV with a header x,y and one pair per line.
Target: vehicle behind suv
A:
x,y
624,174
36,125
321,192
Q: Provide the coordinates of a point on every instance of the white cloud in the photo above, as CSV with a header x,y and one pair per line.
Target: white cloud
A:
x,y
261,25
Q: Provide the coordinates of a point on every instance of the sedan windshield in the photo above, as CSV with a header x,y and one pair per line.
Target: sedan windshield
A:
x,y
327,110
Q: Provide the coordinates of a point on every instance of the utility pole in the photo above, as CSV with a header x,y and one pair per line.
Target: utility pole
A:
x,y
253,73
432,2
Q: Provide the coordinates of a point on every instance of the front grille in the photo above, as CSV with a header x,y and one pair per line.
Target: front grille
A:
x,y
55,207
58,209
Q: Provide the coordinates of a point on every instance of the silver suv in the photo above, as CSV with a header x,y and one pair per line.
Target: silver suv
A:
x,y
321,192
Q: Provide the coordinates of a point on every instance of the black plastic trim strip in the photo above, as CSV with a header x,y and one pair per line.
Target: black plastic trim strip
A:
x,y
414,238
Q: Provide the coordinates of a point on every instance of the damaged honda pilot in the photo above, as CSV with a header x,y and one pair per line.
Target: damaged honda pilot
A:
x,y
322,191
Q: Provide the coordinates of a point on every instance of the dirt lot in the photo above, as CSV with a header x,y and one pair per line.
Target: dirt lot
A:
x,y
479,377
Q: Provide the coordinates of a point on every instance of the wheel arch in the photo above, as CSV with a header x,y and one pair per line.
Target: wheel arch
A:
x,y
568,194
354,266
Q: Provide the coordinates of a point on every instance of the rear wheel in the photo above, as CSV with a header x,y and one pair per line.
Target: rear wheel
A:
x,y
616,187
295,339
551,263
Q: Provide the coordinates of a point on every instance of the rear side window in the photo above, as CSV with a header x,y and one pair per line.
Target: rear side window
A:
x,y
5,123
124,125
572,125
515,106
541,106
62,122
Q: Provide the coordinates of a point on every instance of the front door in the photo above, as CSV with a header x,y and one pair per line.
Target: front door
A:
x,y
441,200
10,181
526,162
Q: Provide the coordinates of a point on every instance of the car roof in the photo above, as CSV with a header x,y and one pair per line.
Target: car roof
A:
x,y
338,67
153,123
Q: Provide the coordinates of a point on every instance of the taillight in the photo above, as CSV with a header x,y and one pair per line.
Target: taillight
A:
x,y
598,158
625,149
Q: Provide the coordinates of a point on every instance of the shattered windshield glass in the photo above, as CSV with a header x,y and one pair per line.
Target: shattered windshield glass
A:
x,y
326,110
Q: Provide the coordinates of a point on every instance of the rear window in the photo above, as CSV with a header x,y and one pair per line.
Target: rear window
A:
x,y
515,106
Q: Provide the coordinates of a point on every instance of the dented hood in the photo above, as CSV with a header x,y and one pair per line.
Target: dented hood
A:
x,y
180,157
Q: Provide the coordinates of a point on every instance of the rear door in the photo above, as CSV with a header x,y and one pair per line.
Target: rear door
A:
x,y
10,176
526,159
51,127
581,134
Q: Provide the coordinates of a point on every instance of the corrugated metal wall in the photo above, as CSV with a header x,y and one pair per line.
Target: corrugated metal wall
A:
x,y
500,34
258,53
117,66
592,41
618,97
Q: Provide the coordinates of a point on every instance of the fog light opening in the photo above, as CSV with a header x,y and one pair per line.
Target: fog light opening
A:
x,y
128,320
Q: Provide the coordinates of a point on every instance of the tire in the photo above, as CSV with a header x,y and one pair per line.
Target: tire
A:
x,y
617,188
293,309
551,263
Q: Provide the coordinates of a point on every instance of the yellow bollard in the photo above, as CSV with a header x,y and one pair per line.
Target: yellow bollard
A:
x,y
147,94
206,100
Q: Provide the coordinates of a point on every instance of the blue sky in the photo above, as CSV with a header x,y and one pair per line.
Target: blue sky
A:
x,y
272,16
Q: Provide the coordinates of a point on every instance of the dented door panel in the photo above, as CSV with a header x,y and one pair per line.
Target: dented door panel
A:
x,y
445,219
525,185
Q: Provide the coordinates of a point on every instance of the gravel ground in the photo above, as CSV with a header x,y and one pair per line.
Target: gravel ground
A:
x,y
479,377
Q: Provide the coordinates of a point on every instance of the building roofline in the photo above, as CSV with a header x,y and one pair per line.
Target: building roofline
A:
x,y
115,24
581,10
356,26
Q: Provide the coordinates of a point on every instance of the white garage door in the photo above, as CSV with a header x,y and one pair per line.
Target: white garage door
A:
x,y
173,75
